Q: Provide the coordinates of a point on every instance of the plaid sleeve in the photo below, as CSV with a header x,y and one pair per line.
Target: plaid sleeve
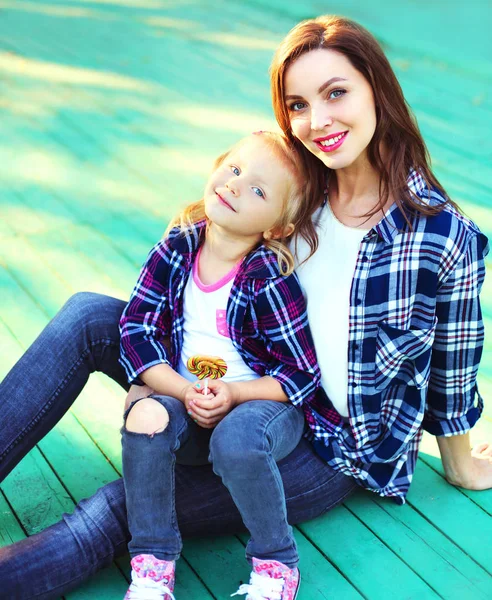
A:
x,y
283,322
453,402
146,317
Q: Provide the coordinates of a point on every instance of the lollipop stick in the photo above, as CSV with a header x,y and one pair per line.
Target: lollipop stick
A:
x,y
206,386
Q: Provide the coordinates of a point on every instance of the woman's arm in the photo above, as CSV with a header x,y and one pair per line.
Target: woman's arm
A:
x,y
464,467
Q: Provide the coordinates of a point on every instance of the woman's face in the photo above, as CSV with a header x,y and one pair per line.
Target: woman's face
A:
x,y
331,108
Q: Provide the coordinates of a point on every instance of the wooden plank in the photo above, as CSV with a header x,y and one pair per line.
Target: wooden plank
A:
x,y
452,513
444,566
10,528
367,562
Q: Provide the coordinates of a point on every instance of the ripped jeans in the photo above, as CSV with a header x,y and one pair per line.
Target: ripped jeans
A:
x,y
243,449
40,388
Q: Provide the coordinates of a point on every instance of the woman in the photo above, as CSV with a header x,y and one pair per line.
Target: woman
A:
x,y
403,296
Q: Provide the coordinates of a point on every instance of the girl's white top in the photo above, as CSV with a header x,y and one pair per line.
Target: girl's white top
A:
x,y
205,326
326,279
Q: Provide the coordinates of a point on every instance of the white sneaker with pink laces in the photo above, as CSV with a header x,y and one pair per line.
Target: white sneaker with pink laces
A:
x,y
271,580
152,579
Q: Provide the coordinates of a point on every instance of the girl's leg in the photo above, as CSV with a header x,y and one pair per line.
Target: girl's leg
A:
x,y
40,388
244,451
61,557
155,428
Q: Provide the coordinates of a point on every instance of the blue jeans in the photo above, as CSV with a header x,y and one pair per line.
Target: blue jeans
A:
x,y
37,392
243,448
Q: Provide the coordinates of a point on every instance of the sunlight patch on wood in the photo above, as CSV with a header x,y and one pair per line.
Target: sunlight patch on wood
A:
x,y
205,117
234,40
54,10
53,72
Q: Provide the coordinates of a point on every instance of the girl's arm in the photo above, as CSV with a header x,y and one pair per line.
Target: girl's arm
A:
x,y
464,467
292,372
146,319
208,412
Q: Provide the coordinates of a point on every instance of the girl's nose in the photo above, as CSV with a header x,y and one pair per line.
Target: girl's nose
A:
x,y
232,186
320,118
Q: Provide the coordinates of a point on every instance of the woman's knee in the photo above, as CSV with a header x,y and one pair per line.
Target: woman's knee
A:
x,y
147,416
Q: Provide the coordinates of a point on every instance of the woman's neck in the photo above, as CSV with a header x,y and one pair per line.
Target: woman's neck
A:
x,y
355,192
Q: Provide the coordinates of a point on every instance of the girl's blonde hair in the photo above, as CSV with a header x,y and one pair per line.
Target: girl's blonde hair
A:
x,y
295,209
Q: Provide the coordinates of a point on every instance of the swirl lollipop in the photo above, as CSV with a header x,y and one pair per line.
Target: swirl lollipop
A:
x,y
207,366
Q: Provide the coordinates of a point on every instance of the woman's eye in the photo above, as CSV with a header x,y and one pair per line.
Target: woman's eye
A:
x,y
297,106
336,93
259,192
235,170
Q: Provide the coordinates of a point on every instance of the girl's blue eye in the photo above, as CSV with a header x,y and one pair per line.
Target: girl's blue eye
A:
x,y
235,170
258,192
337,93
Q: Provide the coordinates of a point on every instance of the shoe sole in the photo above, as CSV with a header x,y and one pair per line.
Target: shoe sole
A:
x,y
298,585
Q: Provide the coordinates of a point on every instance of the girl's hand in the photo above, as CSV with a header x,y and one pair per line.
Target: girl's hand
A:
x,y
190,395
136,392
210,410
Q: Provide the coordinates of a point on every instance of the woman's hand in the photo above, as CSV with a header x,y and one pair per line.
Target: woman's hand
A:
x,y
481,472
464,467
136,392
209,410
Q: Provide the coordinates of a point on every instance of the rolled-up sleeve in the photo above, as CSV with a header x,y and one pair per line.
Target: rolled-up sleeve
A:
x,y
146,318
453,402
284,324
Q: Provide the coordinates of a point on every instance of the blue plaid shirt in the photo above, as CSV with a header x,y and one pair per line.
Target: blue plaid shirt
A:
x,y
415,342
266,316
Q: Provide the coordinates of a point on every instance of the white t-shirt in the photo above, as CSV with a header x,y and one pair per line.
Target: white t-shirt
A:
x,y
205,329
326,279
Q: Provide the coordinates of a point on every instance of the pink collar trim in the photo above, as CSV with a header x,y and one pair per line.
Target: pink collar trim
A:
x,y
213,287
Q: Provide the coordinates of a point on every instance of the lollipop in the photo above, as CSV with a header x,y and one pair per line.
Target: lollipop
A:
x,y
207,366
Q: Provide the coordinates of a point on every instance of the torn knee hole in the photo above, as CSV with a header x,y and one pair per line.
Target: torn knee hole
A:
x,y
147,416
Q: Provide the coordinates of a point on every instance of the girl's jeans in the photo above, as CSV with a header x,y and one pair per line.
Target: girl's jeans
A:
x,y
243,448
41,387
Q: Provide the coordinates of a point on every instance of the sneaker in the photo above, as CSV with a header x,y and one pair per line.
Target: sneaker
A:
x,y
152,579
271,580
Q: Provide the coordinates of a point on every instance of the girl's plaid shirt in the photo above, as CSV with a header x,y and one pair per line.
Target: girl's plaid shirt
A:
x,y
266,316
415,337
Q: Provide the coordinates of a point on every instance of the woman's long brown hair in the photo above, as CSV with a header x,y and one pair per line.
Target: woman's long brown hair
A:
x,y
396,129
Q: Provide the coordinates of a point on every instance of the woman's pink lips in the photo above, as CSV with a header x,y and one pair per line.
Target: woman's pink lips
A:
x,y
224,201
329,137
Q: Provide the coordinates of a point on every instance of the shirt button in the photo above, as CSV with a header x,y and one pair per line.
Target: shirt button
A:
x,y
356,346
353,384
358,302
364,259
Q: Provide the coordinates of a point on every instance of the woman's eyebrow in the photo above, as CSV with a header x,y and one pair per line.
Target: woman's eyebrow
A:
x,y
321,89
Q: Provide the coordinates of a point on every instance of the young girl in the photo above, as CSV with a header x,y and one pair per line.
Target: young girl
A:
x,y
221,283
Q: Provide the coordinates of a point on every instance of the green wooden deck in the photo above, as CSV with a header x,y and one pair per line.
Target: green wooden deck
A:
x,y
111,114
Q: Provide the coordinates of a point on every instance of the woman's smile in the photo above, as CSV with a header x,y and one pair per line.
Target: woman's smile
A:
x,y
331,142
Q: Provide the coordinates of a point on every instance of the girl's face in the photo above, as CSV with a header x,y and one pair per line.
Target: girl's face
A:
x,y
331,107
246,194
